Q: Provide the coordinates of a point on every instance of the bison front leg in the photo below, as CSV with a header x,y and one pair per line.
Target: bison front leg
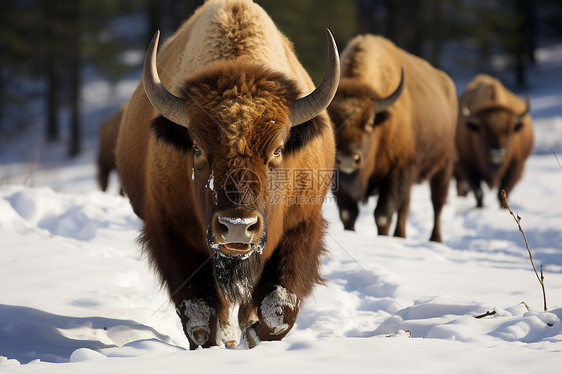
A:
x,y
278,312
475,185
288,277
439,190
394,196
273,318
386,206
462,184
199,322
197,304
348,208
400,230
509,179
188,276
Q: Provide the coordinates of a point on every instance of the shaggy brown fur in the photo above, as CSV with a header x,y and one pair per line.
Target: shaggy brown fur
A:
x,y
238,76
495,148
412,141
106,152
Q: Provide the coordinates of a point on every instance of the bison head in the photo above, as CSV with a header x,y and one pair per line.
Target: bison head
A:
x,y
358,116
495,126
237,122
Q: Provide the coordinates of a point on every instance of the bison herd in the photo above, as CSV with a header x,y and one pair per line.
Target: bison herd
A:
x,y
224,148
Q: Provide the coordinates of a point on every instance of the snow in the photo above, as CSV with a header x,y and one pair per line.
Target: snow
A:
x,y
239,221
78,296
272,308
211,182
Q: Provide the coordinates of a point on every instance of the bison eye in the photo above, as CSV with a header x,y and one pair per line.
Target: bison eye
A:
x,y
473,127
196,150
277,152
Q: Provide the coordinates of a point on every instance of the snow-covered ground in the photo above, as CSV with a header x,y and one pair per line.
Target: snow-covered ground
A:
x,y
76,295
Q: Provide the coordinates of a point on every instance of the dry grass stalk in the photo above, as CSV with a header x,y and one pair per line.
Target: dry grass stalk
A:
x,y
518,221
28,180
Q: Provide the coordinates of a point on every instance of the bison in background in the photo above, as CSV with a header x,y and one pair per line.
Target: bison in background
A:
x,y
494,138
221,113
108,132
394,117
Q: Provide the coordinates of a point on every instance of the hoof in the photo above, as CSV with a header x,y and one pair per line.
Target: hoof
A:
x,y
231,344
278,312
196,315
200,335
278,330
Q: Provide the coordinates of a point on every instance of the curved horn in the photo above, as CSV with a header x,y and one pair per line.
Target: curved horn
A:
x,y
527,108
170,106
469,116
382,104
308,107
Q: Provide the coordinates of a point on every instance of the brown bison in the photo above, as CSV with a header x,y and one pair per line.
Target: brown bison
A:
x,y
494,138
209,158
394,116
106,147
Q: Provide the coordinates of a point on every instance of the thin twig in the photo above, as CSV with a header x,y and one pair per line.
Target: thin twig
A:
x,y
556,156
488,313
518,221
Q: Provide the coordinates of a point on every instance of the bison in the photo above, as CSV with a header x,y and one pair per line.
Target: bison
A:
x,y
394,117
209,152
494,138
106,147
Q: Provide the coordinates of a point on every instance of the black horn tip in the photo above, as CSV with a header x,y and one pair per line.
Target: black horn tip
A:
x,y
383,104
308,107
161,99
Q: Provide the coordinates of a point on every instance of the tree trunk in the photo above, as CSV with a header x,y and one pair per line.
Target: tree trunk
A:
x,y
154,12
520,73
438,25
415,21
367,17
52,102
1,97
52,33
525,43
392,22
530,28
75,133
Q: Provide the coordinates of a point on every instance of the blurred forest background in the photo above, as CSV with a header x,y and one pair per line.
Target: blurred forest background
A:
x,y
50,48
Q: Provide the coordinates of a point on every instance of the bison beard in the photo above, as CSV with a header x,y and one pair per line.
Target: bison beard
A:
x,y
236,276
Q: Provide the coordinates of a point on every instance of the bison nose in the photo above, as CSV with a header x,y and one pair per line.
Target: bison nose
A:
x,y
236,233
497,155
349,164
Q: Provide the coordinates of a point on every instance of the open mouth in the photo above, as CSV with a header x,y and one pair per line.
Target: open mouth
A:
x,y
235,248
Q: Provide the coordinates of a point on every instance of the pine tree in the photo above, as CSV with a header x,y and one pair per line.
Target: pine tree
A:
x,y
304,23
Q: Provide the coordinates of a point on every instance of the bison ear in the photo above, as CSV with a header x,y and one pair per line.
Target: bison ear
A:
x,y
376,119
472,121
301,135
381,118
171,133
